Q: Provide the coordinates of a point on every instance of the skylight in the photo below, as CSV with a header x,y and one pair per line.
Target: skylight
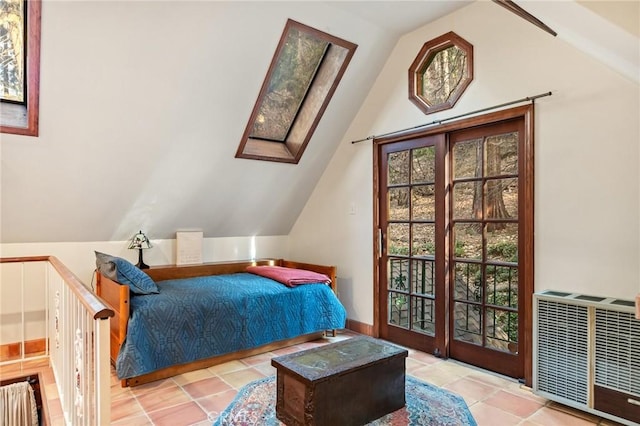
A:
x,y
304,73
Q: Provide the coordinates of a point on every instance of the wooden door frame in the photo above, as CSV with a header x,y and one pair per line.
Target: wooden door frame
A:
x,y
525,112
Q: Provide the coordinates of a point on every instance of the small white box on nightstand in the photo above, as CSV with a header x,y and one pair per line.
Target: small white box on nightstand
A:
x,y
189,247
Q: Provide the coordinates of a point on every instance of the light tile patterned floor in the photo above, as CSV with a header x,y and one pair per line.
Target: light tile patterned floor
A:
x,y
196,398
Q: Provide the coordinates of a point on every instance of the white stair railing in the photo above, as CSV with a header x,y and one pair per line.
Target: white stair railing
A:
x,y
77,333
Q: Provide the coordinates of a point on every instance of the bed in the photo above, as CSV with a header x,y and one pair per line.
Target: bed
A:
x,y
203,315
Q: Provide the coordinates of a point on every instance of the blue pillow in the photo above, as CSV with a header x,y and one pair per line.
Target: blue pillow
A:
x,y
124,272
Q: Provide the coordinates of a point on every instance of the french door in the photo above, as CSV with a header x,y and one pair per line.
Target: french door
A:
x,y
411,231
455,260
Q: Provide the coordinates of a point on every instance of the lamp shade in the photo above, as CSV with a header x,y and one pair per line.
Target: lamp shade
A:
x,y
140,241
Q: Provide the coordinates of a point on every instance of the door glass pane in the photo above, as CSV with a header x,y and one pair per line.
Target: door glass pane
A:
x,y
398,309
423,165
423,205
468,281
502,242
502,286
398,203
423,236
398,168
502,330
467,200
423,277
501,199
467,323
467,238
398,274
467,159
501,155
423,315
398,239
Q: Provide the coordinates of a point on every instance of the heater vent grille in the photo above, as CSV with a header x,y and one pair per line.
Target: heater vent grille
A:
x,y
617,354
562,344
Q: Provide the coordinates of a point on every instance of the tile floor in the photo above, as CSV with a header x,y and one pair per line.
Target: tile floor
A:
x,y
196,398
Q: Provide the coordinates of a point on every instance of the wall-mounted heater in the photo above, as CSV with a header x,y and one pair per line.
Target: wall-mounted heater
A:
x,y
586,354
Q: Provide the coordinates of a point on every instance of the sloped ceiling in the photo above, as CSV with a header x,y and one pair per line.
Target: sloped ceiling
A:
x,y
143,104
609,31
142,107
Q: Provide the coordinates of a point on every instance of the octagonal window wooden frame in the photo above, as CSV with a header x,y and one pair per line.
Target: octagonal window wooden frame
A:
x,y
426,55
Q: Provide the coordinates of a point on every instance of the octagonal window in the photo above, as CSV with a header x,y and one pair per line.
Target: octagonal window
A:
x,y
440,73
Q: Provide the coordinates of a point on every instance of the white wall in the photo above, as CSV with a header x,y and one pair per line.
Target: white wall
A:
x,y
587,185
80,258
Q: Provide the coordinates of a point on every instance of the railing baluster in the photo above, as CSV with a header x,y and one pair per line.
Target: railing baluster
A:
x,y
22,321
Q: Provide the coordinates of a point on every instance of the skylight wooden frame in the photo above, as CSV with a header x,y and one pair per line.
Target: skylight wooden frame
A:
x,y
329,74
20,119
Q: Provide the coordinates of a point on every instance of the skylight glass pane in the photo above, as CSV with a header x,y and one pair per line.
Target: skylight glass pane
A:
x,y
12,62
292,76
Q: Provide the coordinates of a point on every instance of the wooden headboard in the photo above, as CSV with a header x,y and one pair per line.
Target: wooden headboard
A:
x,y
118,295
171,272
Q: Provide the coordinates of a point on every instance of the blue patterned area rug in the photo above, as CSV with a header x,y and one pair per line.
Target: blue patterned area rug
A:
x,y
426,405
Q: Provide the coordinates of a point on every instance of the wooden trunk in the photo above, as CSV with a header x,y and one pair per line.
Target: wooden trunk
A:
x,y
351,382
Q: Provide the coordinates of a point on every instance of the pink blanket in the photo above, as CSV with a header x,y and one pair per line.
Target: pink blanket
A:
x,y
289,276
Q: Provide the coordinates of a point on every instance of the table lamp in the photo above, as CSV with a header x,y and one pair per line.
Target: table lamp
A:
x,y
140,242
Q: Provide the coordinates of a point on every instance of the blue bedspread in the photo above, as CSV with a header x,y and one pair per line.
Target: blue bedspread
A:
x,y
201,317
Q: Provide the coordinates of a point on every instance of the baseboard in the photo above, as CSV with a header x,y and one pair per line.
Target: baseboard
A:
x,y
12,351
359,327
